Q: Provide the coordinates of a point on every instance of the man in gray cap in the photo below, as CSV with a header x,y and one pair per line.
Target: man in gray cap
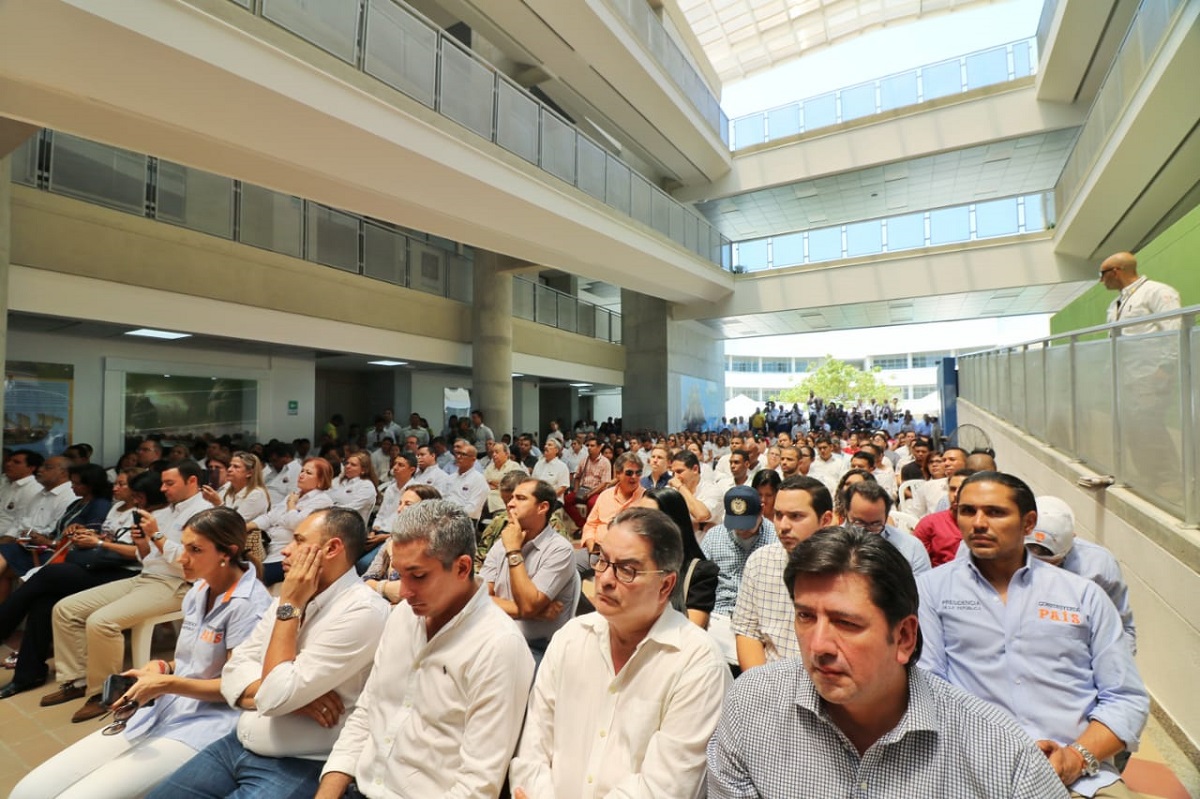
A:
x,y
1053,540
729,545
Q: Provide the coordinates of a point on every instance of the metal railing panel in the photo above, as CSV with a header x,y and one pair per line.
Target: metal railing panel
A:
x,y
194,199
468,88
1148,409
401,51
385,254
331,26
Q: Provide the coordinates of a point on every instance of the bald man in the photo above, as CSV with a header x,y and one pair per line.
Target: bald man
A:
x,y
1137,296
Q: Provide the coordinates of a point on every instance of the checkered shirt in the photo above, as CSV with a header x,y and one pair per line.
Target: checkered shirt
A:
x,y
764,608
776,741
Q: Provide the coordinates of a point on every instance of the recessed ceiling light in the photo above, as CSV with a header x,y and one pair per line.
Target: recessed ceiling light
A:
x,y
388,363
163,334
517,374
581,385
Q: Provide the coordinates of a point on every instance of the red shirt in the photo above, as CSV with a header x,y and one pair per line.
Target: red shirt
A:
x,y
940,534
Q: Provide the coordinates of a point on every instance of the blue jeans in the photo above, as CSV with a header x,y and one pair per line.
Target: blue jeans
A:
x,y
226,769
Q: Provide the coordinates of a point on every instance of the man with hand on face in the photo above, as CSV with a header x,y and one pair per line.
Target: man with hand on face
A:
x,y
626,697
294,681
856,704
1035,640
530,572
442,709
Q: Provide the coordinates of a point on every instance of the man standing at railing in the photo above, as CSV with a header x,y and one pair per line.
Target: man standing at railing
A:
x,y
1138,296
1148,370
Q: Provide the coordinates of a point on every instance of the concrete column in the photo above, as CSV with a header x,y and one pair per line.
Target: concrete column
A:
x,y
12,135
492,332
647,360
5,254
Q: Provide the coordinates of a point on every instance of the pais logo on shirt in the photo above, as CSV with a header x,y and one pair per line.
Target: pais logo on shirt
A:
x,y
210,636
1048,611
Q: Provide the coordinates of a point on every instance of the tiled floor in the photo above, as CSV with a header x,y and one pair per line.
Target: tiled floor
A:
x,y
30,734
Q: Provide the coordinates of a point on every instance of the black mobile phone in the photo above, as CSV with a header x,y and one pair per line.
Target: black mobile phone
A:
x,y
115,686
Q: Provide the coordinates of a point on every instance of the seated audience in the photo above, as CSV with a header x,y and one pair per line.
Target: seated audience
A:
x,y
357,488
856,683
530,571
175,708
93,559
295,682
636,670
442,708
278,523
88,626
696,590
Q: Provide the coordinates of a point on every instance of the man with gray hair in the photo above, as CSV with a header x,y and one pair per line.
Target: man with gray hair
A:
x,y
627,697
442,709
466,487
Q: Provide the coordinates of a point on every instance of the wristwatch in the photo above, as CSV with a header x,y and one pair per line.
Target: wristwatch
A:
x,y
159,536
1091,766
515,558
287,611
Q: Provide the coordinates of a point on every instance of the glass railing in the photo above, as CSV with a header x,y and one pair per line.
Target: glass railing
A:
x,y
395,44
1008,216
998,64
243,212
650,31
548,306
1151,24
1118,397
1045,22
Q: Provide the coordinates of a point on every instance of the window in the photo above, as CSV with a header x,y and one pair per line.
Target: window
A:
x,y
928,359
777,365
744,363
921,392
891,362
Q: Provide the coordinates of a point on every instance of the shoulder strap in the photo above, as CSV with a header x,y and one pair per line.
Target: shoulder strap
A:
x,y
687,580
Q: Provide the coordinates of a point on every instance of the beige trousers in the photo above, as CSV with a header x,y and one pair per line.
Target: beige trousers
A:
x,y
88,625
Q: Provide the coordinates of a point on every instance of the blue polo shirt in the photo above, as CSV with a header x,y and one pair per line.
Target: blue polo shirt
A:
x,y
1053,655
204,644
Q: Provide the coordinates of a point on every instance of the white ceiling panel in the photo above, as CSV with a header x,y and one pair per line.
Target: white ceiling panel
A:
x,y
1024,165
969,305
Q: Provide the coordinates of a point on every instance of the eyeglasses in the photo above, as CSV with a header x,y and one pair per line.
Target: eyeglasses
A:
x,y
631,472
121,716
1104,272
868,527
623,571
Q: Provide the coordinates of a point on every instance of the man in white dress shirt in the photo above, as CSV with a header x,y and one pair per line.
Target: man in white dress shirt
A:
x,y
627,697
428,471
285,468
551,469
296,682
442,709
21,487
466,487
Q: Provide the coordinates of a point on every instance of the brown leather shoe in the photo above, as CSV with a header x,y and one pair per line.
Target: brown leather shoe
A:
x,y
92,709
66,692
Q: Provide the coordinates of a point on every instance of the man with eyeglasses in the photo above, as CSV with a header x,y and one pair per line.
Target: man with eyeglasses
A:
x,y
467,487
626,697
867,507
612,501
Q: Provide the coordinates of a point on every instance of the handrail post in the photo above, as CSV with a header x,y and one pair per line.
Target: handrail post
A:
x,y
1072,410
1117,466
1187,422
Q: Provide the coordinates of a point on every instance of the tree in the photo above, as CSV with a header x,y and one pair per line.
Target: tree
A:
x,y
838,381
